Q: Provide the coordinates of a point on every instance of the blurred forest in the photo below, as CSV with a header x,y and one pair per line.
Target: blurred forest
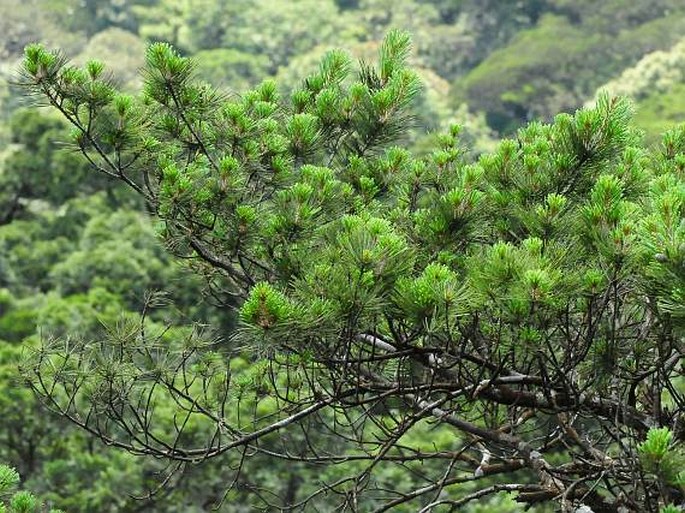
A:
x,y
76,254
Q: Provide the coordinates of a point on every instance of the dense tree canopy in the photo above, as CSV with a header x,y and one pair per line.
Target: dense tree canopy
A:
x,y
524,309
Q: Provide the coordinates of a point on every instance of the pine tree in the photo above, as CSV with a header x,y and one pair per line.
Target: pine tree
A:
x,y
530,303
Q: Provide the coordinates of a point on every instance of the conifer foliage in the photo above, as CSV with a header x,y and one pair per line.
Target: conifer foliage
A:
x,y
530,304
13,501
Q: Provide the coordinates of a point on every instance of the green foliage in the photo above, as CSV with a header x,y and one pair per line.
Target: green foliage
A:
x,y
127,266
12,501
656,446
277,31
9,479
293,202
434,291
507,299
655,72
614,14
231,69
556,64
657,113
38,168
661,457
531,67
17,324
125,51
91,481
93,16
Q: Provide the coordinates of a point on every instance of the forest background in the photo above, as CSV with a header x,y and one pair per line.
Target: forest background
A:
x,y
76,253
